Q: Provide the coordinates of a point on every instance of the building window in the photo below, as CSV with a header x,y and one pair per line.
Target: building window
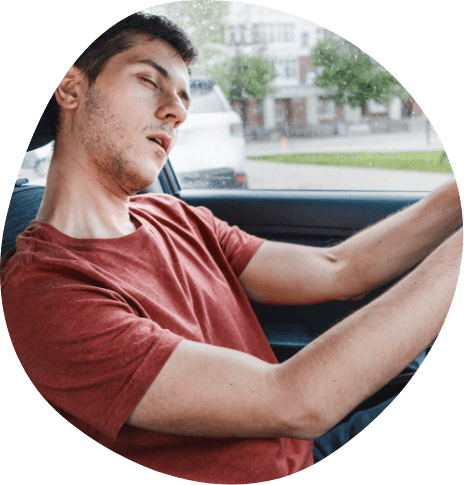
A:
x,y
238,34
305,39
286,68
279,112
320,34
274,33
325,108
288,33
310,78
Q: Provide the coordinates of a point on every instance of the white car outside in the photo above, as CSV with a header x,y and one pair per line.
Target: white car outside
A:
x,y
210,150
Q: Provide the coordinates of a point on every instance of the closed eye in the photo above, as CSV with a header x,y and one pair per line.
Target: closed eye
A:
x,y
150,82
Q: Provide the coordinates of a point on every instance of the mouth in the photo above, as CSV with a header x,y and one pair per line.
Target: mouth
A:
x,y
163,141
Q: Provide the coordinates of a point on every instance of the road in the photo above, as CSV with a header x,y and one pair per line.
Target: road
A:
x,y
375,143
286,176
275,175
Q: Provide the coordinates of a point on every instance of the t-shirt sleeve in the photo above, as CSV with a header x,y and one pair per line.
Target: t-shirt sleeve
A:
x,y
238,246
85,348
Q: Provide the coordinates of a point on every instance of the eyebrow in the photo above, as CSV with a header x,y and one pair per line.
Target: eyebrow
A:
x,y
163,73
155,66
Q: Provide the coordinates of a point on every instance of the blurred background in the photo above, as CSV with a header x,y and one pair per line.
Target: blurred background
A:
x,y
279,102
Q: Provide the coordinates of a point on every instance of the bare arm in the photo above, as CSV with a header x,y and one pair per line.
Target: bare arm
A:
x,y
285,273
393,246
209,391
365,351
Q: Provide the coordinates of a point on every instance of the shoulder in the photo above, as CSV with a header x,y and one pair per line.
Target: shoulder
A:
x,y
41,252
150,201
161,201
169,206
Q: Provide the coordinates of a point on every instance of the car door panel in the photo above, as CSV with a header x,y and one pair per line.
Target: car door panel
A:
x,y
316,218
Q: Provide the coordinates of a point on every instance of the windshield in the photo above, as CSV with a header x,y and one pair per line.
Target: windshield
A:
x,y
205,98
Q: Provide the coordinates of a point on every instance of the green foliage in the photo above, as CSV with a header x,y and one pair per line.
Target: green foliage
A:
x,y
417,161
245,78
202,20
352,77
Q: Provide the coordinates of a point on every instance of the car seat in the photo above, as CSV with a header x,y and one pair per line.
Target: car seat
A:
x,y
24,205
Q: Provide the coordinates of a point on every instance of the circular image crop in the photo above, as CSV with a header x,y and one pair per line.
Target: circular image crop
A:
x,y
232,242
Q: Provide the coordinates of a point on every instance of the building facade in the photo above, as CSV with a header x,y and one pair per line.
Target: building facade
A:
x,y
298,107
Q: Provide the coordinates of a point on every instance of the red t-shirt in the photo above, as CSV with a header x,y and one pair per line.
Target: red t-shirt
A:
x,y
93,321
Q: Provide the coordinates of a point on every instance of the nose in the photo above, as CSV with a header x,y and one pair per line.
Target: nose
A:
x,y
172,109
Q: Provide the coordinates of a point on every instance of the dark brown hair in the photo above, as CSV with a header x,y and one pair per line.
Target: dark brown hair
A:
x,y
118,38
125,34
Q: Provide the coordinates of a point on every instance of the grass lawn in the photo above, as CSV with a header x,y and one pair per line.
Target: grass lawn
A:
x,y
422,161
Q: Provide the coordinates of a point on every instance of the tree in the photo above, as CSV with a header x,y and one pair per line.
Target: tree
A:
x,y
245,78
203,22
242,77
352,77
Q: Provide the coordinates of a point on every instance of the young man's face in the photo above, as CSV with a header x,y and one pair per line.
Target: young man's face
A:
x,y
131,114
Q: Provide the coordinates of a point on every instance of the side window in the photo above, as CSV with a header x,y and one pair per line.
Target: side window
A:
x,y
35,165
293,120
279,102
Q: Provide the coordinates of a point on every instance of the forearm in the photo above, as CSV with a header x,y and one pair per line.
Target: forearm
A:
x,y
354,359
204,390
391,247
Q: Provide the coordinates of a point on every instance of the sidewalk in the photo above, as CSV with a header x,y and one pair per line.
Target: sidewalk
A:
x,y
287,176
378,143
264,175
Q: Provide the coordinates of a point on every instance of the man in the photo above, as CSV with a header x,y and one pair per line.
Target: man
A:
x,y
131,314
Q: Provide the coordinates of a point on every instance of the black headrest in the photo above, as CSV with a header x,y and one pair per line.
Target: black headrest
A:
x,y
24,204
44,132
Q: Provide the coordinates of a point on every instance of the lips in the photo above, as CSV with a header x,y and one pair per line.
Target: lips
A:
x,y
162,140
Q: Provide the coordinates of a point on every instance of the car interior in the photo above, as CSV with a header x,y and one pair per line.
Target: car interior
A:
x,y
318,218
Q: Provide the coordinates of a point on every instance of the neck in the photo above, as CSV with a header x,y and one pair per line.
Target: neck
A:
x,y
81,204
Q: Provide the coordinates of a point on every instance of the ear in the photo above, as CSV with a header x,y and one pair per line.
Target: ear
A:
x,y
71,89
